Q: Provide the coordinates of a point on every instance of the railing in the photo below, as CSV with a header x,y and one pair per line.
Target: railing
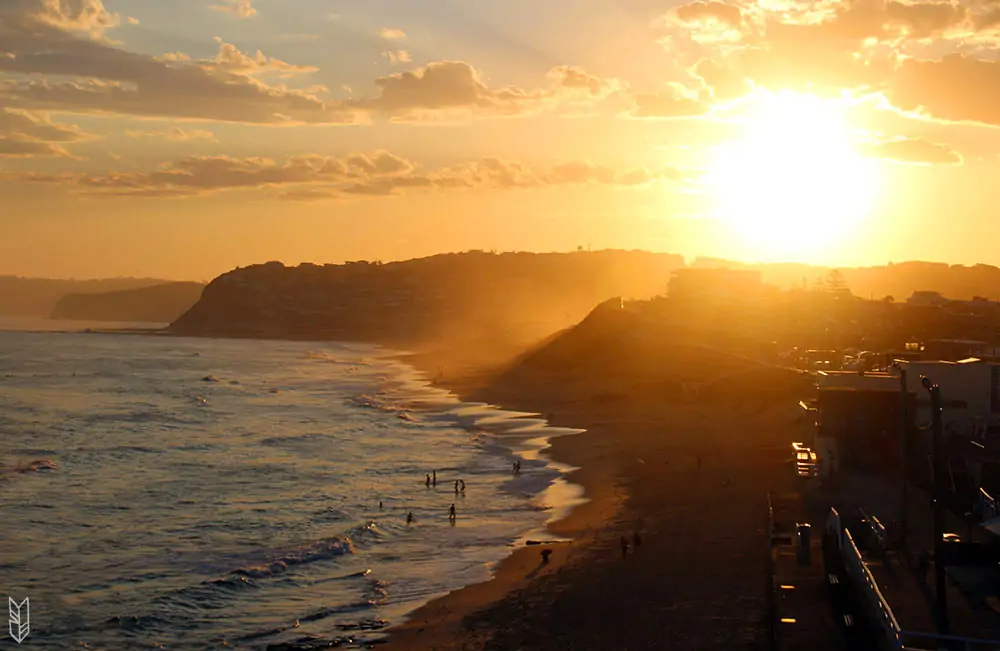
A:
x,y
987,507
878,608
876,528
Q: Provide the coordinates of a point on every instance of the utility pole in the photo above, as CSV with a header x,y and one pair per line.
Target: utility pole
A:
x,y
937,454
904,427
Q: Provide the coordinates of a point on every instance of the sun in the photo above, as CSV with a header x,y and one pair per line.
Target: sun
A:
x,y
791,187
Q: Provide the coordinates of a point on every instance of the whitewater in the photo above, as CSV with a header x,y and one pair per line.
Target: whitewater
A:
x,y
179,493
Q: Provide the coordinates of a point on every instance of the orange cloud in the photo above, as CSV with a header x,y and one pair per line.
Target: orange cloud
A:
x,y
24,134
176,134
312,177
238,8
913,150
391,34
397,56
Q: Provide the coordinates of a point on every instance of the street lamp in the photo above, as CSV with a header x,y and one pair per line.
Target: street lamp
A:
x,y
936,504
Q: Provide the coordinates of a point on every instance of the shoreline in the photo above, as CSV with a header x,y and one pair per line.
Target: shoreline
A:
x,y
696,583
441,621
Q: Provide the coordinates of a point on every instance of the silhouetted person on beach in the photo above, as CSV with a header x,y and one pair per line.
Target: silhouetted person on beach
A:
x,y
456,487
434,478
624,544
427,481
545,556
380,505
451,513
462,482
409,517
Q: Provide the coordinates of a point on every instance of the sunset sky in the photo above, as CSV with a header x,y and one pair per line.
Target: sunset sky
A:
x,y
181,138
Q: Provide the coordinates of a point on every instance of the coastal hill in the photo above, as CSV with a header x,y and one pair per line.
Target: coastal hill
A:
x,y
156,304
476,294
37,297
898,280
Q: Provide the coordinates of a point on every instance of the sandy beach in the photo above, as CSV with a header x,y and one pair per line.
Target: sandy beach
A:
x,y
691,477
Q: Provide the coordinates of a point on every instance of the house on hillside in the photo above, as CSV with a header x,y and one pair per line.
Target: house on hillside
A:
x,y
927,298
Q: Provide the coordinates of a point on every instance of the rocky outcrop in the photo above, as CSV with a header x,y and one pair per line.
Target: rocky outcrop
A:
x,y
490,295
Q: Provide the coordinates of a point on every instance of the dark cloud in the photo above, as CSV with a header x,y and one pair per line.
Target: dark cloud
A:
x,y
313,177
914,150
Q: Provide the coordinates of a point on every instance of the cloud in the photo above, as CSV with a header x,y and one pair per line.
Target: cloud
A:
x,y
954,88
673,103
575,79
176,134
25,134
391,34
896,47
50,69
397,56
229,58
86,17
314,177
445,85
57,71
239,8
913,150
132,20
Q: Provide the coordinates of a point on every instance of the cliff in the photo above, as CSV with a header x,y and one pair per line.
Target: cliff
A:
x,y
157,304
467,295
39,296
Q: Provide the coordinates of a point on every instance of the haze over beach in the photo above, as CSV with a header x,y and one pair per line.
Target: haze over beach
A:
x,y
460,326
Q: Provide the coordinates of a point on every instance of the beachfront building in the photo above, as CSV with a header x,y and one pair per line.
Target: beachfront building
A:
x,y
857,419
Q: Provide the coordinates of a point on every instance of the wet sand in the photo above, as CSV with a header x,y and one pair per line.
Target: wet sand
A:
x,y
698,579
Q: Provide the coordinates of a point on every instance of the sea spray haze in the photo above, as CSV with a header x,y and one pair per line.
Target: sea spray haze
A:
x,y
210,491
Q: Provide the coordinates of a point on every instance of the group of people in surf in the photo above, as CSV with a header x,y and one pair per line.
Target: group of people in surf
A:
x,y
430,479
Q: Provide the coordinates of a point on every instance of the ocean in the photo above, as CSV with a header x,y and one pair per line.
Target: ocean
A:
x,y
178,493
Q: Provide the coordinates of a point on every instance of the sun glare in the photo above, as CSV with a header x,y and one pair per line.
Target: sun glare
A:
x,y
792,187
